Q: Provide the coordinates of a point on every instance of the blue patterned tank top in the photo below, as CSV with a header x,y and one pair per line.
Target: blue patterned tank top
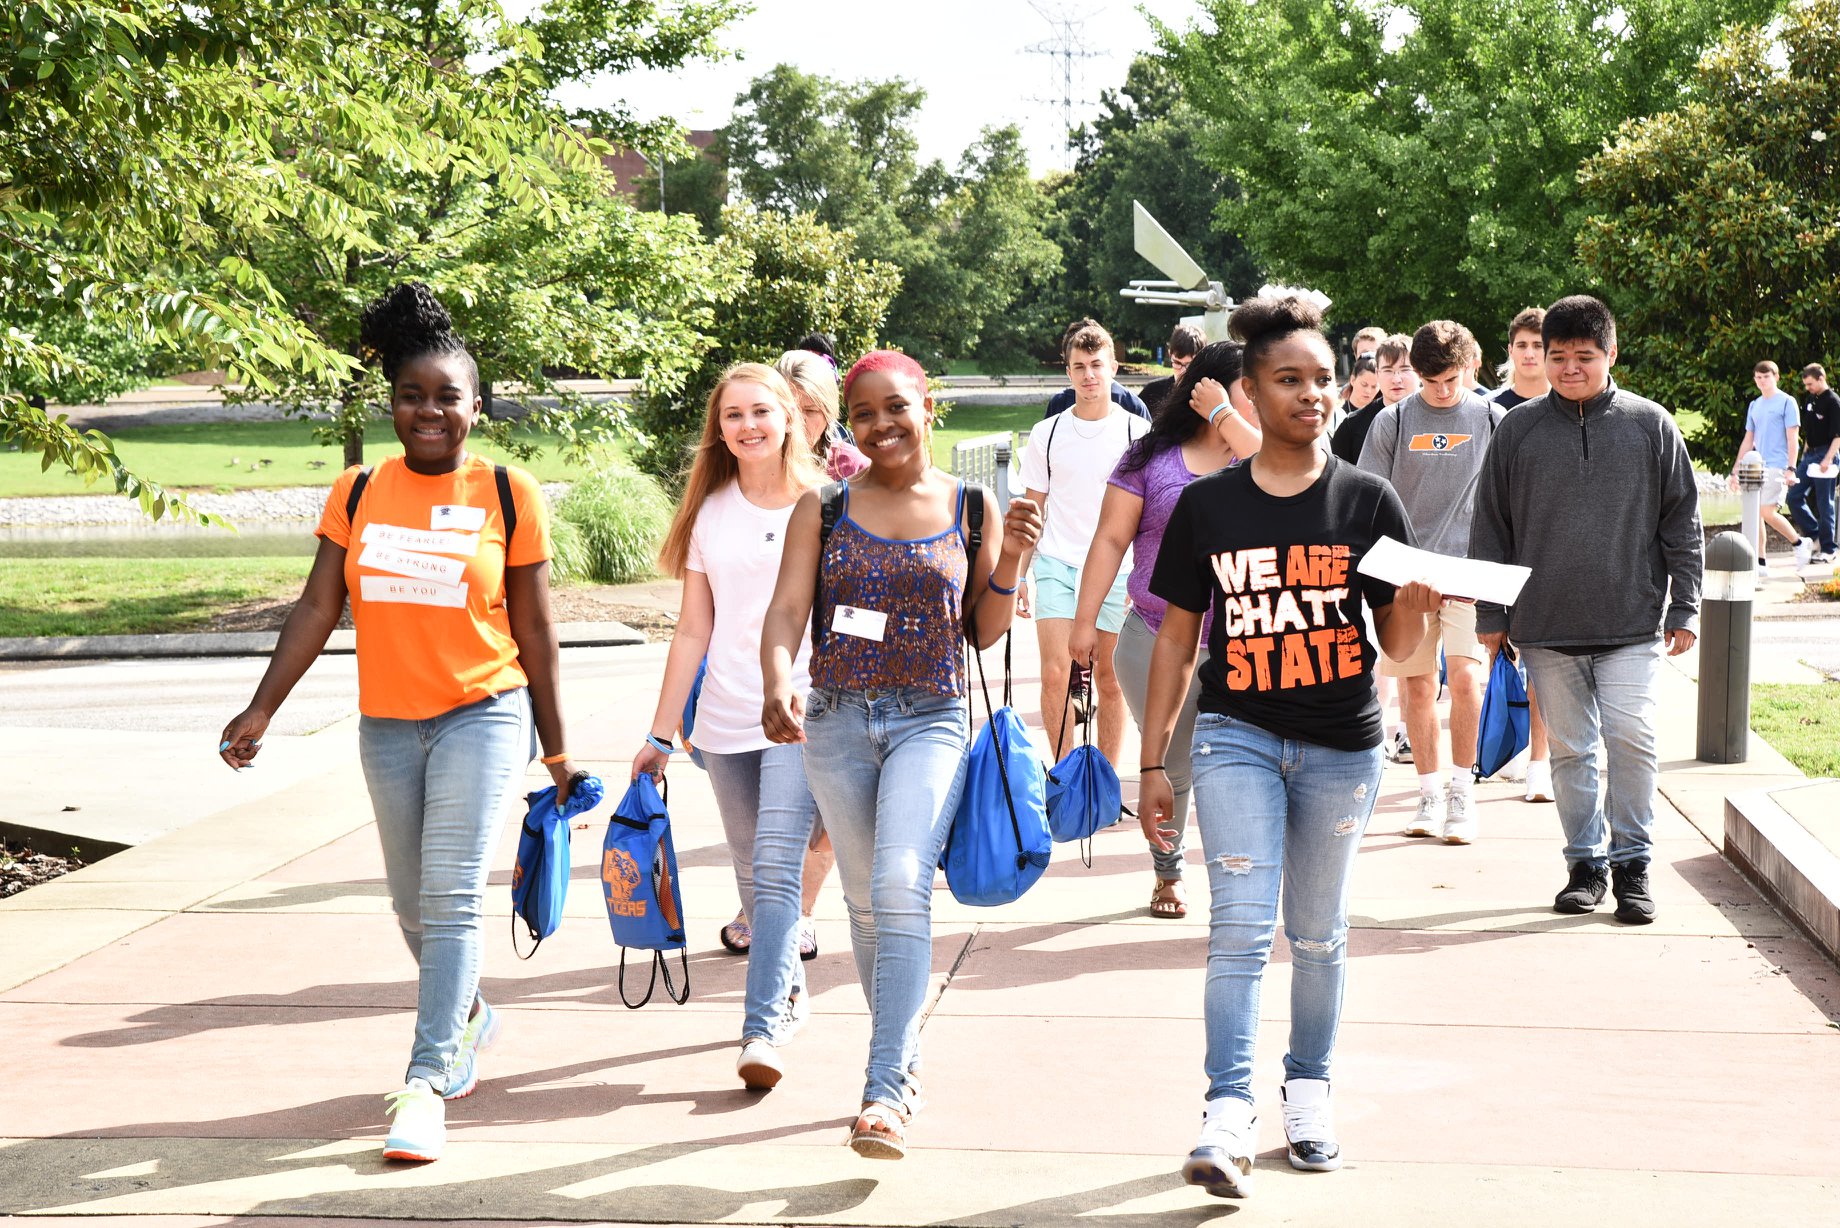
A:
x,y
918,585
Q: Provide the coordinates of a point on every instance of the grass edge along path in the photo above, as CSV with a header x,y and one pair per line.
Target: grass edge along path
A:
x,y
1801,720
137,596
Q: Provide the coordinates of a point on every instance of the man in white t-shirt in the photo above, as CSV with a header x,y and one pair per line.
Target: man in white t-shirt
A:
x,y
1065,468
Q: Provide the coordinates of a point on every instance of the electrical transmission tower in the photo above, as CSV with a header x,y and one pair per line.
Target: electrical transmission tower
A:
x,y
1067,44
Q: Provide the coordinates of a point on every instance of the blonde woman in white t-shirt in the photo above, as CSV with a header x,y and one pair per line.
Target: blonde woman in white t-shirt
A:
x,y
752,464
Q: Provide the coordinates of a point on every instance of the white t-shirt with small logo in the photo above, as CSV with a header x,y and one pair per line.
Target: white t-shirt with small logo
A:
x,y
738,546
1082,456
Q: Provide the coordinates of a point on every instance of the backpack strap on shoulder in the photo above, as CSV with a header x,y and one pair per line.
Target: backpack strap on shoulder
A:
x,y
1047,449
354,494
831,502
507,507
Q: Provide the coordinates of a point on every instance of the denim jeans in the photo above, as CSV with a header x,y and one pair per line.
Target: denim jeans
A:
x,y
1811,504
1276,812
1132,661
1604,700
886,768
440,788
767,813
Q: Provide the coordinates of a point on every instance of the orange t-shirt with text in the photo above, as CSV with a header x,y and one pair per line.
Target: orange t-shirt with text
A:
x,y
425,569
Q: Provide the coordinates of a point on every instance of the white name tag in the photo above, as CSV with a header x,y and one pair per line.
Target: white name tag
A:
x,y
854,620
411,592
457,516
420,539
409,563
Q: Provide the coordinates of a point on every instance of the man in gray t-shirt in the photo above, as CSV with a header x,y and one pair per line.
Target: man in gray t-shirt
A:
x,y
1430,447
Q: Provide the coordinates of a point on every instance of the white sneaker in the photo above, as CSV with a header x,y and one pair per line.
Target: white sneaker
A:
x,y
1804,551
1539,780
1309,1125
798,1010
418,1123
1459,818
1514,770
1429,821
1221,1162
759,1066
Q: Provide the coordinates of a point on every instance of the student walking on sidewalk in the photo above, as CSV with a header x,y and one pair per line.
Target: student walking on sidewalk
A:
x,y
886,725
751,467
445,559
1591,487
1186,441
1287,744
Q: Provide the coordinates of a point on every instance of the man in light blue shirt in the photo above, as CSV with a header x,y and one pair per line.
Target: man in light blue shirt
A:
x,y
1770,427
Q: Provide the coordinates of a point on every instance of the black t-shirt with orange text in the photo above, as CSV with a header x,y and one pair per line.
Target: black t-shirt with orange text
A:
x,y
1289,651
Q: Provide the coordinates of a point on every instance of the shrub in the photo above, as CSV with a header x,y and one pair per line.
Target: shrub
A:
x,y
608,527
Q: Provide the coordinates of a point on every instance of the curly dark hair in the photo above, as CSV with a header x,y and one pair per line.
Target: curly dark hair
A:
x,y
1175,423
405,322
1263,322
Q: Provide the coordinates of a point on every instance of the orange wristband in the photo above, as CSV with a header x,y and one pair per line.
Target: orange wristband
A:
x,y
552,760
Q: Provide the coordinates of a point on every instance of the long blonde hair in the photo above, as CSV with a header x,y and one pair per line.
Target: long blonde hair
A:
x,y
713,466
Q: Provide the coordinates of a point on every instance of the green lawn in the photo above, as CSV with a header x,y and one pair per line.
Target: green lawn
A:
x,y
110,596
1802,720
966,421
230,454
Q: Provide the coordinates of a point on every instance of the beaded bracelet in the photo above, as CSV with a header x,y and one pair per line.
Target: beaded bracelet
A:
x,y
998,588
552,760
659,744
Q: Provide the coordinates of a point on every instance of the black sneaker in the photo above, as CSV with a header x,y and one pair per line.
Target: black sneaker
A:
x,y
1634,906
1585,889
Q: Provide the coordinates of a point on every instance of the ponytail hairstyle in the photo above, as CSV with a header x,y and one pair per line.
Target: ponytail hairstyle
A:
x,y
1175,423
813,376
713,466
406,322
1277,312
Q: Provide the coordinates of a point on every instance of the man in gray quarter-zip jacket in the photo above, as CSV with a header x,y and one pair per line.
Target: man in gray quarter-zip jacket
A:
x,y
1591,487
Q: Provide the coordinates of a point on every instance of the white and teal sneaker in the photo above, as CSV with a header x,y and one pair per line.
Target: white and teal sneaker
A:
x,y
418,1123
481,1033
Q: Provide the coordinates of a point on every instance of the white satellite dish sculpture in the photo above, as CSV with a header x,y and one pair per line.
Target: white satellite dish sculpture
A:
x,y
1187,284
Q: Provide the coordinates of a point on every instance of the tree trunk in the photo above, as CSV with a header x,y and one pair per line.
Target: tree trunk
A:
x,y
354,444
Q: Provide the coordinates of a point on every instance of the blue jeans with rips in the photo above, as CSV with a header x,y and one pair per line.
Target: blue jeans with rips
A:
x,y
440,788
887,768
767,814
1276,813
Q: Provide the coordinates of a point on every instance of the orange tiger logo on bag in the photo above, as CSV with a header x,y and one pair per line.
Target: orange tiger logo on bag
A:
x,y
620,877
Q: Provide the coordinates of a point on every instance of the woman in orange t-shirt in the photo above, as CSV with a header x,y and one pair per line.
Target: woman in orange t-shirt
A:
x,y
445,558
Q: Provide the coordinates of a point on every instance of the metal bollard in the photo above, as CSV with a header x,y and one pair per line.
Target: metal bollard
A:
x,y
1004,450
1750,494
1725,648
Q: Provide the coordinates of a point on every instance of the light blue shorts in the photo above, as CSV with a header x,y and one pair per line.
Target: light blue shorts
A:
x,y
1057,593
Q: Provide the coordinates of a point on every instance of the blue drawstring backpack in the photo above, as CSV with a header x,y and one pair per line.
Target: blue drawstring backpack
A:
x,y
1084,793
1506,723
687,726
540,879
999,842
639,880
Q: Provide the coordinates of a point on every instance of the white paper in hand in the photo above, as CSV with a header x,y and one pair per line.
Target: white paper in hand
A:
x,y
1397,563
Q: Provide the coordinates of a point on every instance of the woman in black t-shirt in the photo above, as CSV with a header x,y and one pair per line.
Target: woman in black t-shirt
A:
x,y
1287,744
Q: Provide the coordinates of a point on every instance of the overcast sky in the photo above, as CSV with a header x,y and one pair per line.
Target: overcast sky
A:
x,y
968,55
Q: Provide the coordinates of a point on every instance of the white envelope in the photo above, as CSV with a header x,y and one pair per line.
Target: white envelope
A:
x,y
1397,563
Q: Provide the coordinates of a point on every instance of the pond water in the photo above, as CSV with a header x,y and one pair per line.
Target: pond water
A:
x,y
149,540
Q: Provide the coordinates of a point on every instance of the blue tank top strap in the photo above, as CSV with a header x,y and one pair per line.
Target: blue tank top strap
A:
x,y
958,517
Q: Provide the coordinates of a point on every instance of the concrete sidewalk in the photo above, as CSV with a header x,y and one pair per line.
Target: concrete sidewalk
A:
x,y
203,1027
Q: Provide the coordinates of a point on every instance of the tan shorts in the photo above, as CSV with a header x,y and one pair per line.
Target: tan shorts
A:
x,y
1456,628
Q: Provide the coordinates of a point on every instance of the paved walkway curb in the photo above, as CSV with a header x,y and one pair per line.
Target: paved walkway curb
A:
x,y
251,643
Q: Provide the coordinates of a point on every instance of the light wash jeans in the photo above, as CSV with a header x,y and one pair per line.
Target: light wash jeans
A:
x,y
767,813
440,788
1605,700
1132,661
887,768
1276,811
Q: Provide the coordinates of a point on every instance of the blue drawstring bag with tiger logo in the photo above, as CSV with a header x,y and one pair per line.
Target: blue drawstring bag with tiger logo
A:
x,y
640,884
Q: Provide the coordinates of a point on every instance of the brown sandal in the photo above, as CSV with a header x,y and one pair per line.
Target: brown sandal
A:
x,y
1166,901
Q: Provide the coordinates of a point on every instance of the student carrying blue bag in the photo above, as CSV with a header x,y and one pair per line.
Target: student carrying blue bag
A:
x,y
1084,793
540,879
999,843
1506,722
639,881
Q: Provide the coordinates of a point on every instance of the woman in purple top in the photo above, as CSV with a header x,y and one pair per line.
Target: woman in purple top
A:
x,y
1178,449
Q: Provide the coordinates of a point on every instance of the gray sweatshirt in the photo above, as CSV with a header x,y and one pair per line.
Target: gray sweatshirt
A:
x,y
1432,457
1599,500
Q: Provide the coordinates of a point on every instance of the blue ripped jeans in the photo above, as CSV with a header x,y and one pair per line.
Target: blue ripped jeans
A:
x,y
887,768
1276,812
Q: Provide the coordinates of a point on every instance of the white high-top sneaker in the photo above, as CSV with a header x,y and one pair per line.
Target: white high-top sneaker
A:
x,y
1310,1126
1221,1162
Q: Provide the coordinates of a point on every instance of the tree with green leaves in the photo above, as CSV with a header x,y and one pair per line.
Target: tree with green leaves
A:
x,y
231,180
1418,160
1715,226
